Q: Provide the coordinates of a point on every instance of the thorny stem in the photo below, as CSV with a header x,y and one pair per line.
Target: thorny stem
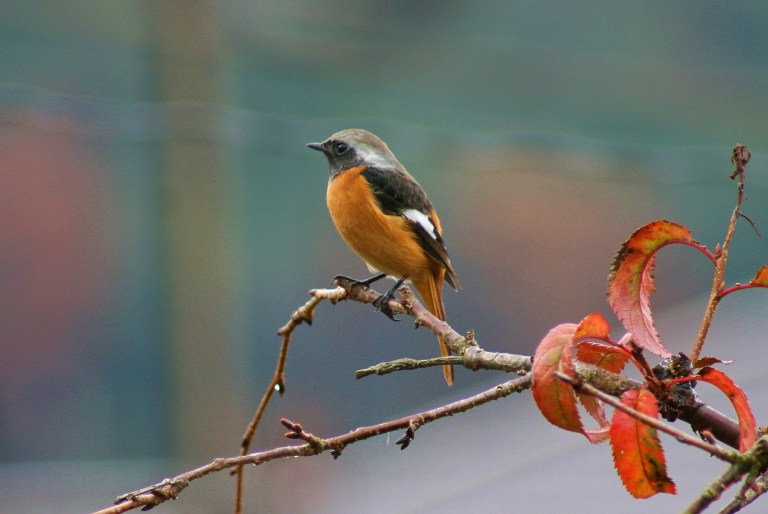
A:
x,y
740,158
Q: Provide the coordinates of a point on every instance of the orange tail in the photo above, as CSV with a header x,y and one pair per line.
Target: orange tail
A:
x,y
430,288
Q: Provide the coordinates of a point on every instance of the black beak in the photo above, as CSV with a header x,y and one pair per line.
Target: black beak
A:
x,y
316,146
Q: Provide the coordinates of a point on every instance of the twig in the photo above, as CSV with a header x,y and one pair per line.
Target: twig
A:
x,y
749,492
749,462
170,488
304,314
700,416
384,368
740,158
475,359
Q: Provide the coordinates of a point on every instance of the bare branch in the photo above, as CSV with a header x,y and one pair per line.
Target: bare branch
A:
x,y
740,158
750,462
304,314
750,491
170,488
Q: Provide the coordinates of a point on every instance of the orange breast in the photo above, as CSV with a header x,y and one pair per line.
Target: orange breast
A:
x,y
384,242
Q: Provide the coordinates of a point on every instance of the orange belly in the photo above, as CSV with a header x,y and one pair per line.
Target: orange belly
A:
x,y
384,242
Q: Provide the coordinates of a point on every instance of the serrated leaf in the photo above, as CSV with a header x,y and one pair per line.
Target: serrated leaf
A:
x,y
555,398
761,277
593,325
594,408
708,361
637,452
631,280
747,423
610,359
606,357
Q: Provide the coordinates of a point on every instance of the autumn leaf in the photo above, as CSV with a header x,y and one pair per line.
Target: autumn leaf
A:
x,y
747,423
631,280
555,398
606,357
761,277
594,408
709,361
637,452
593,325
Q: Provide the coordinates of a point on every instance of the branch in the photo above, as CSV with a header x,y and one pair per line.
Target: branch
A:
x,y
750,462
700,416
169,489
740,158
720,453
749,492
304,314
470,355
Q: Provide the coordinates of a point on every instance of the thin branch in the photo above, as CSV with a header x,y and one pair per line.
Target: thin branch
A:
x,y
304,314
169,489
720,453
750,491
750,462
738,287
740,158
384,368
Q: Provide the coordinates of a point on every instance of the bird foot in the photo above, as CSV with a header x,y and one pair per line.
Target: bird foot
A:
x,y
382,304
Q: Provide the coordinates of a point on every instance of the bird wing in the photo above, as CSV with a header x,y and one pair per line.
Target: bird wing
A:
x,y
400,195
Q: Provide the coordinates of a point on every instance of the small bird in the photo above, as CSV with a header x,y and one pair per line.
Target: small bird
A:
x,y
384,215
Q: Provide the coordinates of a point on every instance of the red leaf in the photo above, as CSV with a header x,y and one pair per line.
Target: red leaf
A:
x,y
761,277
708,361
593,325
602,355
607,357
631,280
637,452
594,407
747,424
555,398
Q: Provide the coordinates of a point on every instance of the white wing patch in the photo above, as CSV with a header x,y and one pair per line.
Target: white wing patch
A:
x,y
422,219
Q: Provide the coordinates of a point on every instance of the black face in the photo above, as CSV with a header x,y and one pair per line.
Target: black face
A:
x,y
340,155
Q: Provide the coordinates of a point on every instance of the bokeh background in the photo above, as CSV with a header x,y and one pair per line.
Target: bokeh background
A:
x,y
160,218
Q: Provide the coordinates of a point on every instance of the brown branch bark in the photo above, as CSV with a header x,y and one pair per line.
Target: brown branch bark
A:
x,y
468,354
169,489
750,462
304,314
740,158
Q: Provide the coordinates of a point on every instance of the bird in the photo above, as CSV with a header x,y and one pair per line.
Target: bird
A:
x,y
386,218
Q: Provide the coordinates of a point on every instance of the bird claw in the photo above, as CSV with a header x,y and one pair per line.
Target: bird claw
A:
x,y
354,281
382,304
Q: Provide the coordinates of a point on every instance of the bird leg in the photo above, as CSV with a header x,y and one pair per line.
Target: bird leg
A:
x,y
367,282
382,302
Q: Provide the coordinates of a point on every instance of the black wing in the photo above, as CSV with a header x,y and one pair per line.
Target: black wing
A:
x,y
397,192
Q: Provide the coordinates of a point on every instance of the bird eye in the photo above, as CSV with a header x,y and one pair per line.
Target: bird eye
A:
x,y
341,148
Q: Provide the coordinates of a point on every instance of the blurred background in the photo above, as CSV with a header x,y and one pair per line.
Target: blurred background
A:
x,y
160,218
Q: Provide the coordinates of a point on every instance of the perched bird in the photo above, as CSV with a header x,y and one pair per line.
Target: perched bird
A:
x,y
384,215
